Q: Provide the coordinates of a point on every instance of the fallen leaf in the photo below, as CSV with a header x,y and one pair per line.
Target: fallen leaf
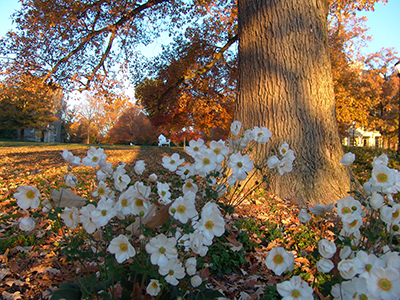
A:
x,y
66,198
9,296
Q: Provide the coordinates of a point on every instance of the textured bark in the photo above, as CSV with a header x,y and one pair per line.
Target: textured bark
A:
x,y
285,84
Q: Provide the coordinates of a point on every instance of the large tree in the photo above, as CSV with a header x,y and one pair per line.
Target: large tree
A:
x,y
285,83
27,102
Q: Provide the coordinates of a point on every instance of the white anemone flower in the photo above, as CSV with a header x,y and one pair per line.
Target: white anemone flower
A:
x,y
121,180
196,281
69,157
71,180
172,162
279,260
273,162
86,218
348,205
205,162
220,150
351,223
140,166
26,224
240,164
153,177
103,191
183,208
390,215
163,192
70,216
125,200
261,134
285,166
348,268
104,212
195,147
381,160
185,171
326,248
384,283
105,167
190,265
139,206
153,288
284,148
235,127
376,200
121,248
304,216
27,197
211,225
348,159
197,245
161,250
190,186
325,265
368,261
295,288
382,176
93,157
320,209
143,190
172,271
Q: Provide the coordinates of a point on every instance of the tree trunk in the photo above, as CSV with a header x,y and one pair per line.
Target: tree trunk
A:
x,y
22,134
285,84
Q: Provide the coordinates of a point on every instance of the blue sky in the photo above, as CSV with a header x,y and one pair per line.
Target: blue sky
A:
x,y
383,23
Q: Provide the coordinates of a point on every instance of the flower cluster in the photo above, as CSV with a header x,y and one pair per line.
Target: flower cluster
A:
x,y
369,269
194,219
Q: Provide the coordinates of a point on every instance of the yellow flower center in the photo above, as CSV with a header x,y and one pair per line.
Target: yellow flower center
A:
x,y
139,202
30,195
240,164
385,284
395,214
100,191
217,151
206,161
162,250
189,185
283,151
123,247
171,272
363,297
346,210
95,158
103,212
71,215
209,225
354,223
278,259
295,294
154,285
124,202
382,177
196,148
172,161
181,209
368,267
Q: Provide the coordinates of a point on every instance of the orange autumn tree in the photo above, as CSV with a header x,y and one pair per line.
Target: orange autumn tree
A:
x,y
363,91
133,126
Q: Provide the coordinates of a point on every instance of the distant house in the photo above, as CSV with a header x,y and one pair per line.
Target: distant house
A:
x,y
360,137
53,132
